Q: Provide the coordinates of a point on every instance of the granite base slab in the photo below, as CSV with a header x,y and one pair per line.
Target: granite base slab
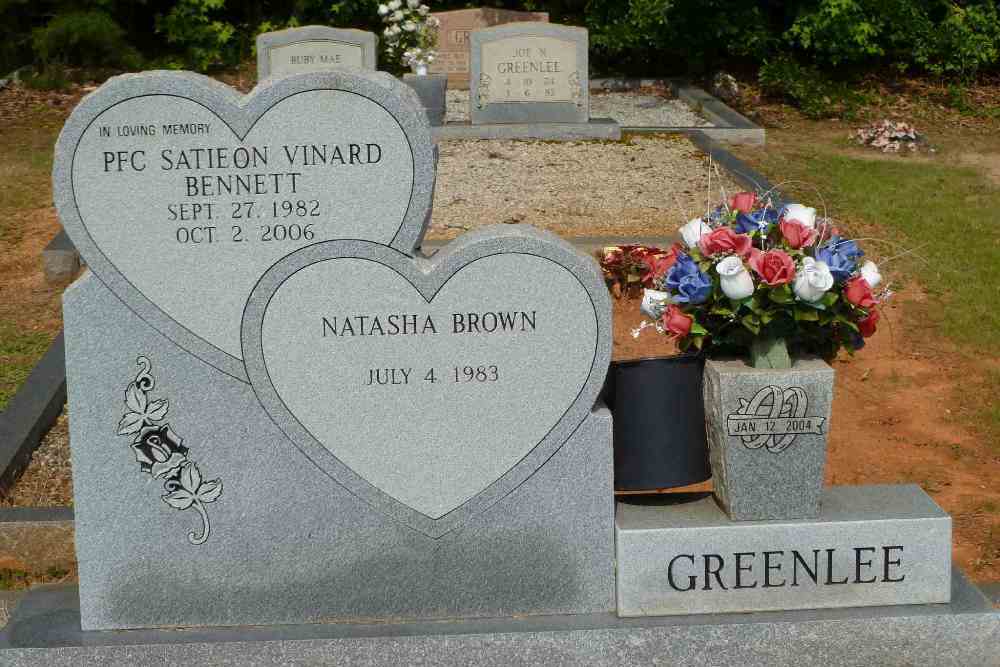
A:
x,y
872,545
45,630
604,129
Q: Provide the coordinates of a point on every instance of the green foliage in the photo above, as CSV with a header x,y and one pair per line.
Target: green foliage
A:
x,y
84,38
807,87
937,36
202,37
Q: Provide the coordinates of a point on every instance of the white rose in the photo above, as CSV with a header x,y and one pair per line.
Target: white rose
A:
x,y
412,4
423,10
804,214
693,231
734,278
653,302
869,271
383,10
812,280
397,16
395,4
409,26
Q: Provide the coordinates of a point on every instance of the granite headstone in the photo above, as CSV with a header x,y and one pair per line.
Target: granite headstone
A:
x,y
314,47
529,73
453,38
180,193
417,440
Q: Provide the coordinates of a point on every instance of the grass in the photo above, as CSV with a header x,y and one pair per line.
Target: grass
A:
x,y
26,168
19,352
25,185
944,214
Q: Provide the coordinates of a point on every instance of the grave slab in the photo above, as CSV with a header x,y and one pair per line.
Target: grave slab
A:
x,y
453,38
321,496
872,545
315,47
529,73
45,630
228,184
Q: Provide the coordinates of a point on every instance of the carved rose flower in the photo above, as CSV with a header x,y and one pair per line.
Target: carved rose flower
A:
x,y
159,450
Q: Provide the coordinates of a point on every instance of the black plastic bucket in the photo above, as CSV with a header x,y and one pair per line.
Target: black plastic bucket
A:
x,y
659,422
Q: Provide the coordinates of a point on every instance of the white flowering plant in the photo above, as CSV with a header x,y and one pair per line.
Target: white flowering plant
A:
x,y
758,276
410,34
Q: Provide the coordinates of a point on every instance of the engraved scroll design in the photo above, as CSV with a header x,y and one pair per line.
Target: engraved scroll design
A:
x,y
161,453
483,97
773,418
576,90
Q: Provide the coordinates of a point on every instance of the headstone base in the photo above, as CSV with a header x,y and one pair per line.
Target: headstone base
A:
x,y
871,545
432,89
602,129
45,630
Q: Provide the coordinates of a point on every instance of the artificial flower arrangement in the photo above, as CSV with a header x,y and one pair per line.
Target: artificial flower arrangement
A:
x,y
755,277
411,33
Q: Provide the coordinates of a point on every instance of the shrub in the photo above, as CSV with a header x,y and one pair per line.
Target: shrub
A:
x,y
808,88
85,38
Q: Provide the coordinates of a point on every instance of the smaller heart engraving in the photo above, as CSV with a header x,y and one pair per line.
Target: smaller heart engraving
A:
x,y
430,388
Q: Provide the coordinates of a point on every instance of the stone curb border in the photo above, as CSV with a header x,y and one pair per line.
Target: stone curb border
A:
x,y
31,412
730,126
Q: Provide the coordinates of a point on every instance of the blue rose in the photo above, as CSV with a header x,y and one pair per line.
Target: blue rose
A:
x,y
687,282
840,256
756,221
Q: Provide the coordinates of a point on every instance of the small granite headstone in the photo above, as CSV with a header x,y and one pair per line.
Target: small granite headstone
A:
x,y
179,193
453,56
529,73
314,47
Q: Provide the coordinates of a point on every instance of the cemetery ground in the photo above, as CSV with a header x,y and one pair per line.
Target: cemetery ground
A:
x,y
918,405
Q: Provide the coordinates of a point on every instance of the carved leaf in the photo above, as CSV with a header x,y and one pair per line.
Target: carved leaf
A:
x,y
135,399
157,410
179,499
131,423
190,478
210,491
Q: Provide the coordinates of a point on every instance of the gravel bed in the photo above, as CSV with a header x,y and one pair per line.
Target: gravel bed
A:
x,y
48,480
638,109
645,185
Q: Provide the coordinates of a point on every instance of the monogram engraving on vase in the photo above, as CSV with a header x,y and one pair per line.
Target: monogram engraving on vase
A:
x,y
773,418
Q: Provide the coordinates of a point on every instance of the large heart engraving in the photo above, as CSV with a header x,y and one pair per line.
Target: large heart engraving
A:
x,y
180,193
430,388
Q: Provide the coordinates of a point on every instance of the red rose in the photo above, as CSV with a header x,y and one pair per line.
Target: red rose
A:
x,y
726,240
857,291
774,266
867,325
676,322
657,264
612,256
797,234
743,201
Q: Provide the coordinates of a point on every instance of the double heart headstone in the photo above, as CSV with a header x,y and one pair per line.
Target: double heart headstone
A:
x,y
416,402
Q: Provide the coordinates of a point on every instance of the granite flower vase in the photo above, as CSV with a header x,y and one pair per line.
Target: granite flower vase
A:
x,y
659,422
432,89
767,435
